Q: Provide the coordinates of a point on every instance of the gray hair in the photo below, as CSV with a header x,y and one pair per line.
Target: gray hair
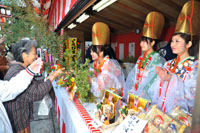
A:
x,y
21,47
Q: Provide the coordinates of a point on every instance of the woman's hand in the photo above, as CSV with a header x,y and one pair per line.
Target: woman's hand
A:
x,y
163,74
69,72
55,74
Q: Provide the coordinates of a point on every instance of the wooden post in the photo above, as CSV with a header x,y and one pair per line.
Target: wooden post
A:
x,y
196,111
83,50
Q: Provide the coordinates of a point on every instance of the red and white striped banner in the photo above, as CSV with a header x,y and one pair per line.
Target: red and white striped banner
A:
x,y
83,113
59,10
86,117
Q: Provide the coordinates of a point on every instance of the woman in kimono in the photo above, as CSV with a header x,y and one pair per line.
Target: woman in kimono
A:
x,y
9,90
20,109
142,76
176,84
108,73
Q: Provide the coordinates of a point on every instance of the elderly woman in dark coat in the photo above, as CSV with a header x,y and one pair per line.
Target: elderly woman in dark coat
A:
x,y
20,109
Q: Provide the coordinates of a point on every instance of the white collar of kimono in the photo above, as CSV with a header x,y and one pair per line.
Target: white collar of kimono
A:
x,y
192,57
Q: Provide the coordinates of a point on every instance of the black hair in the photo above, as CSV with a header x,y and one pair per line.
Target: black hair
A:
x,y
194,49
106,49
150,40
21,47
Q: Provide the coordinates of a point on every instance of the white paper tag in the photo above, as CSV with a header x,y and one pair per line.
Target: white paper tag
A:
x,y
131,124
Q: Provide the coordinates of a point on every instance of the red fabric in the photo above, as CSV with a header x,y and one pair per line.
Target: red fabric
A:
x,y
46,12
54,23
58,116
122,93
56,104
63,11
52,12
163,102
120,103
141,62
56,17
59,5
63,127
